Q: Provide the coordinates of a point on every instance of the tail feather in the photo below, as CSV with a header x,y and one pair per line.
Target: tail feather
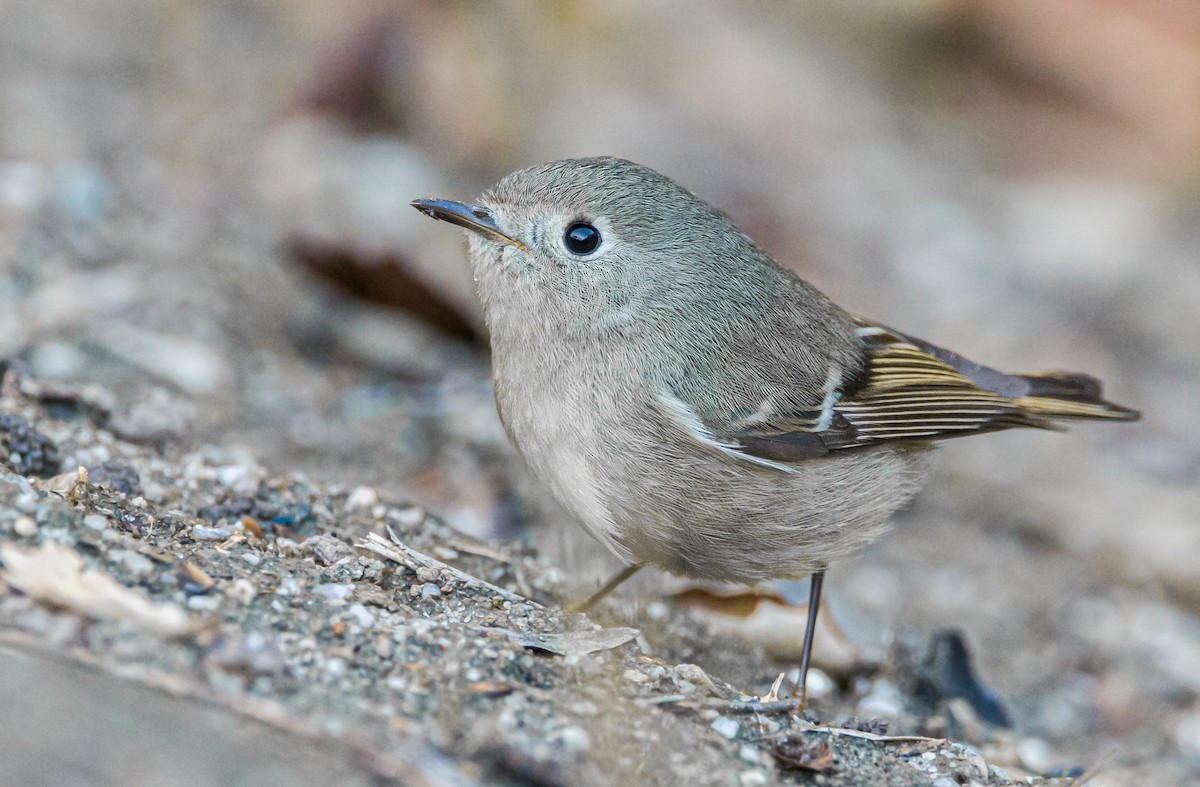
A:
x,y
1071,396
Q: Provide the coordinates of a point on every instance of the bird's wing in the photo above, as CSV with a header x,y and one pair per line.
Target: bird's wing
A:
x,y
911,390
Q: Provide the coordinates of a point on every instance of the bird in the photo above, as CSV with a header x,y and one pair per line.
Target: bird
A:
x,y
699,407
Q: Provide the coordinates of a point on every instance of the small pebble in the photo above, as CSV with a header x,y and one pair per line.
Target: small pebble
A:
x,y
334,591
26,502
287,546
251,558
231,474
755,778
206,533
657,610
818,684
91,538
204,603
57,359
945,781
153,492
242,590
362,616
573,739
692,674
633,676
430,590
882,700
725,727
1035,754
25,527
327,550
95,522
362,497
137,564
255,653
409,516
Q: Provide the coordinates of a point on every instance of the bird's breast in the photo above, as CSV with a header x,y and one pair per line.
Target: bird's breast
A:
x,y
562,413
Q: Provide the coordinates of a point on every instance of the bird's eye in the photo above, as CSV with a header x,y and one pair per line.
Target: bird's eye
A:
x,y
581,238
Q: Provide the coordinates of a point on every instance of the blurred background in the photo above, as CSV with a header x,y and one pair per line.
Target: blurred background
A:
x,y
204,209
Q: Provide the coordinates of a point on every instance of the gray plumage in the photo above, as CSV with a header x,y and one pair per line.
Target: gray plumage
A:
x,y
696,405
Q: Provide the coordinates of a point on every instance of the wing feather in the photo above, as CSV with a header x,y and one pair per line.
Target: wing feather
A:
x,y
910,390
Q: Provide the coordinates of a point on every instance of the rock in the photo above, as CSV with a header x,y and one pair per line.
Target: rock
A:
x,y
572,739
725,727
334,592
26,450
95,522
327,550
205,533
25,527
116,476
362,497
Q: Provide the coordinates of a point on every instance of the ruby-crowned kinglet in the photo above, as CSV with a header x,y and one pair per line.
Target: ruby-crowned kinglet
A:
x,y
696,405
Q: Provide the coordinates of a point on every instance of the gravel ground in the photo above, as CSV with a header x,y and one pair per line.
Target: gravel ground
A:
x,y
402,648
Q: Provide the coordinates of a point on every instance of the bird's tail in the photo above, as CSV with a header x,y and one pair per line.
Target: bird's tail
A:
x,y
1065,395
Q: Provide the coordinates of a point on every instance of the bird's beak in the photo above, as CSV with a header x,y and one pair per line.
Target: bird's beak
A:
x,y
473,217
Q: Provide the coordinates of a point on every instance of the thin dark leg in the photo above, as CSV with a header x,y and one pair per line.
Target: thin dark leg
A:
x,y
608,587
814,606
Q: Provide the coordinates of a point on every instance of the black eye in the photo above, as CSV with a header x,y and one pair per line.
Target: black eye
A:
x,y
581,238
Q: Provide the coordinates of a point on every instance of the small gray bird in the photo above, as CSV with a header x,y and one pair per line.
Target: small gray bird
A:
x,y
696,405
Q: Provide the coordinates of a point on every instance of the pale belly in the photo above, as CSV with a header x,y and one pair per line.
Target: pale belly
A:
x,y
654,497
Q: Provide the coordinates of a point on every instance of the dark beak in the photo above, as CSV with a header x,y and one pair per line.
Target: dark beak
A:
x,y
473,217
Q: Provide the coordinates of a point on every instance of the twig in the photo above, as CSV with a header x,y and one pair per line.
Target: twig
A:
x,y
398,552
767,708
869,735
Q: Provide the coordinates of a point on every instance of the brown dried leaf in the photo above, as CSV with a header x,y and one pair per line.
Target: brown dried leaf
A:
x,y
800,751
766,619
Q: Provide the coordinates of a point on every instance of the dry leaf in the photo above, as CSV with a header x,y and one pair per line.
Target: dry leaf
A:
x,y
72,485
766,619
571,643
801,751
54,574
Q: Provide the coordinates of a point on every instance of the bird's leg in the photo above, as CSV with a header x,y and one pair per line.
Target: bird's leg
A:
x,y
814,606
608,587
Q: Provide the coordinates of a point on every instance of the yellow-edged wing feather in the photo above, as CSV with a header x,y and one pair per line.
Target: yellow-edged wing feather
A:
x,y
910,389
